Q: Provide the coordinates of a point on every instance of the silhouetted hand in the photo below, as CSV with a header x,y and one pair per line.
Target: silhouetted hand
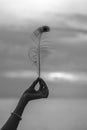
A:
x,y
32,94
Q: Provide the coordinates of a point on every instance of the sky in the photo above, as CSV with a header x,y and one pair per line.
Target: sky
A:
x,y
66,64
15,11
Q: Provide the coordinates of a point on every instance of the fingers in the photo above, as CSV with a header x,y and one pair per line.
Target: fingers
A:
x,y
32,94
39,95
42,84
43,88
34,83
43,91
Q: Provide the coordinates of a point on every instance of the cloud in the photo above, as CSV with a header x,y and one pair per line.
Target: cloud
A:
x,y
19,74
76,24
18,11
79,39
50,76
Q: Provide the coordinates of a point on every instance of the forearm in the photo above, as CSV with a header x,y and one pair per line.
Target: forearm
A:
x,y
28,95
13,121
20,106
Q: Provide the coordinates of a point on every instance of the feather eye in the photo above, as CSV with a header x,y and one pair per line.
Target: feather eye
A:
x,y
38,33
39,52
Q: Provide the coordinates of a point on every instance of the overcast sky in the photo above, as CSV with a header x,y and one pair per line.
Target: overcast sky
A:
x,y
67,42
18,10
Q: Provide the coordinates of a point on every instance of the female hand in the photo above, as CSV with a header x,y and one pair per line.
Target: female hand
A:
x,y
32,94
29,94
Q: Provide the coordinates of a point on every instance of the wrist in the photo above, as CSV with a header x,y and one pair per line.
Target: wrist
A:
x,y
16,115
20,106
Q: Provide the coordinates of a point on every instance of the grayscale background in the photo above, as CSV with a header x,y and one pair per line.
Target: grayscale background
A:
x,y
64,70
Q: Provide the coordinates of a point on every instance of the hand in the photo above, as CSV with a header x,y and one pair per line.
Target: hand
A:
x,y
32,94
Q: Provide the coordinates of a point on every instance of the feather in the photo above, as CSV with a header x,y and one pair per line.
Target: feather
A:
x,y
38,53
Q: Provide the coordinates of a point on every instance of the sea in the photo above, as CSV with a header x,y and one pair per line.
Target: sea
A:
x,y
48,114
